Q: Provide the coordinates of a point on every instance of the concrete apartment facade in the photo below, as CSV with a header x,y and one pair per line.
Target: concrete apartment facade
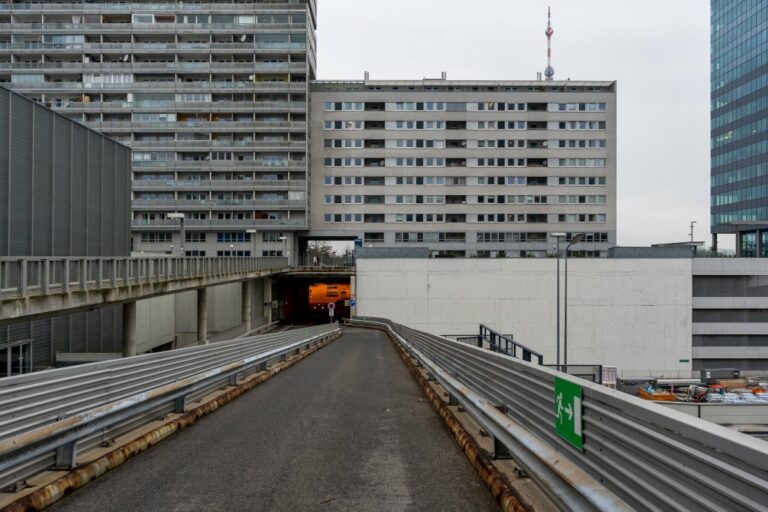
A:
x,y
211,96
64,192
467,169
739,185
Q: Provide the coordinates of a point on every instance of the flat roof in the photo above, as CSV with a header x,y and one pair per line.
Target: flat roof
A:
x,y
472,83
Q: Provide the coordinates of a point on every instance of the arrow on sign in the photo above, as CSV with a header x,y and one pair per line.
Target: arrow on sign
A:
x,y
569,410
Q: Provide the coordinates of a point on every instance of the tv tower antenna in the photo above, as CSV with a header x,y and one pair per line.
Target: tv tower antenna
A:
x,y
549,71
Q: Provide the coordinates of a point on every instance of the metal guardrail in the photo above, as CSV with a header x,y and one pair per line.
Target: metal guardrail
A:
x,y
46,418
23,277
636,454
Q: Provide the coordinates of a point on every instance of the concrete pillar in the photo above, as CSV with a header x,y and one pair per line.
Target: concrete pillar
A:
x,y
268,299
738,244
129,329
714,242
353,293
758,244
202,316
247,305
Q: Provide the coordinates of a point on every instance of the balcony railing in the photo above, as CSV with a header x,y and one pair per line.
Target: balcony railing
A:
x,y
195,224
218,184
219,165
214,204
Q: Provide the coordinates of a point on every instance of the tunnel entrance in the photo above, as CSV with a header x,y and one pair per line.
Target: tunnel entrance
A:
x,y
304,299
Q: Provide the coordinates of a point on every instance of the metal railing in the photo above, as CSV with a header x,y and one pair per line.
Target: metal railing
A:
x,y
24,277
47,418
635,455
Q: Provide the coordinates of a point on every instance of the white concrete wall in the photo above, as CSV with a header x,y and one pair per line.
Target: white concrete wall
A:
x,y
155,323
633,314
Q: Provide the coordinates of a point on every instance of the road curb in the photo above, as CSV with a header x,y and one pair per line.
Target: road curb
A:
x,y
78,478
497,484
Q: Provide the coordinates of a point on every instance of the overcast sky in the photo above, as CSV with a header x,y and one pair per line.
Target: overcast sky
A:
x,y
657,50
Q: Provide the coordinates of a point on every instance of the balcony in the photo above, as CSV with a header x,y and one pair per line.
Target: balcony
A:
x,y
201,165
277,145
197,125
199,87
216,185
217,224
216,204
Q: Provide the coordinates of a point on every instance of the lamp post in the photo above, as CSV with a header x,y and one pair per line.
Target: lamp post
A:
x,y
253,233
183,234
558,237
575,240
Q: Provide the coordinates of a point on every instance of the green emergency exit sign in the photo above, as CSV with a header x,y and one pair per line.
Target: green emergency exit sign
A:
x,y
568,421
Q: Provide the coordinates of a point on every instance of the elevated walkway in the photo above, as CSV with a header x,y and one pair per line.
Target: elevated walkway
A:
x,y
36,287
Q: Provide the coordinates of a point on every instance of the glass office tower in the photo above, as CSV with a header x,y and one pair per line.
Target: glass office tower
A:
x,y
740,123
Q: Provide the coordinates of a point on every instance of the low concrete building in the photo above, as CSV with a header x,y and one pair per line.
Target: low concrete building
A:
x,y
660,317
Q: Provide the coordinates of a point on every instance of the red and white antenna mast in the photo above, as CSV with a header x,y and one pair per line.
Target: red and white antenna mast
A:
x,y
549,71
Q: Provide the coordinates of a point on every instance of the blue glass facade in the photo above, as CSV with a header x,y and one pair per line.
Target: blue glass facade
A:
x,y
739,180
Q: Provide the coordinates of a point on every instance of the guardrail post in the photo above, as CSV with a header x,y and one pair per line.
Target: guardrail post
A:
x,y
66,456
500,451
234,379
23,278
83,274
180,404
65,278
247,303
46,276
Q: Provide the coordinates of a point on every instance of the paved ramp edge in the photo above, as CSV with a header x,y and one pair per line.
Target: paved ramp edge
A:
x,y
495,481
65,485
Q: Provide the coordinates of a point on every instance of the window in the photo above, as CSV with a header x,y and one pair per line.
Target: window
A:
x,y
195,237
156,238
233,237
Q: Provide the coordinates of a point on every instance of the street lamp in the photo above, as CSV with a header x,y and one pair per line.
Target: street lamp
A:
x,y
253,233
558,237
575,240
183,240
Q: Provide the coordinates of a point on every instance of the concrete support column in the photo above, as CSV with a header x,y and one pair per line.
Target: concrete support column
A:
x,y
129,329
202,316
714,242
738,244
758,244
268,299
353,293
247,303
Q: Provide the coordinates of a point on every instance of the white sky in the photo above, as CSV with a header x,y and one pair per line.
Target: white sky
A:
x,y
658,50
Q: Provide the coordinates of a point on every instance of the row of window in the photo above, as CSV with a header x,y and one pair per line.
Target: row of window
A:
x,y
466,125
438,218
198,237
427,106
462,180
464,162
464,144
742,153
496,237
485,199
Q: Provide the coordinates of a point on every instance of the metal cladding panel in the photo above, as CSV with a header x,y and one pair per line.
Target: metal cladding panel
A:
x,y
21,194
108,201
5,176
79,178
60,334
62,179
122,201
42,138
41,350
77,332
93,331
95,198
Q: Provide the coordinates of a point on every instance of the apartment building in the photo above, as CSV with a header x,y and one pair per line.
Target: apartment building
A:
x,y
211,96
739,184
467,169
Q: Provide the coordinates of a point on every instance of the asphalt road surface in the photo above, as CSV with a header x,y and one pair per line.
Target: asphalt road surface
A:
x,y
347,429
